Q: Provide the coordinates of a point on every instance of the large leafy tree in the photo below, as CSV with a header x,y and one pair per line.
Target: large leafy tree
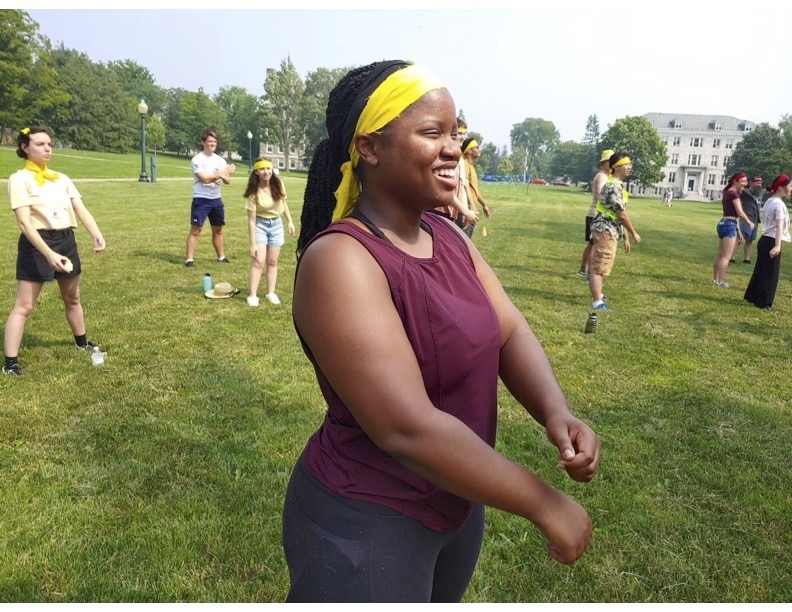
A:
x,y
283,90
196,112
138,82
106,118
763,152
313,105
242,115
25,66
640,140
155,133
538,137
490,159
177,136
570,161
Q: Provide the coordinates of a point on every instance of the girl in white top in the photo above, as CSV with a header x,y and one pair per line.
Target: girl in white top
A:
x,y
46,206
764,280
266,203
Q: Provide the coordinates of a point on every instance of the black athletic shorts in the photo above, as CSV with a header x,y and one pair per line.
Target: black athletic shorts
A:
x,y
33,266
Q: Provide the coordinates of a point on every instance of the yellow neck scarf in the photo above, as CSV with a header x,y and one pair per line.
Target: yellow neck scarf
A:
x,y
394,95
42,174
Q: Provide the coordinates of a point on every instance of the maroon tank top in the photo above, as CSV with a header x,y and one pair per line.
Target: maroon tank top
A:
x,y
446,314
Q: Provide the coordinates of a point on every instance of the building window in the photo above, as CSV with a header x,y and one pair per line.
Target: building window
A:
x,y
269,148
729,143
716,143
292,149
677,124
714,161
748,127
292,164
696,142
674,159
724,179
711,179
726,159
672,177
694,160
718,126
677,141
281,164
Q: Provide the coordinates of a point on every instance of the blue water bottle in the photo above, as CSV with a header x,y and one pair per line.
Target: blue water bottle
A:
x,y
207,282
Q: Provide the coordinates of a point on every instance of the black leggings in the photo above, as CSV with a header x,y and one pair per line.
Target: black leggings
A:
x,y
344,550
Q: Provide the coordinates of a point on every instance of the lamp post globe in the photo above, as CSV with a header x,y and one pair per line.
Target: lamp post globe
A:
x,y
250,151
142,108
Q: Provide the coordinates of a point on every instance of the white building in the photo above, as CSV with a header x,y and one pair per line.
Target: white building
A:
x,y
699,147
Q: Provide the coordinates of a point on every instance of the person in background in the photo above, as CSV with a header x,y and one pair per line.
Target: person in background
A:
x,y
210,171
728,230
46,205
761,288
265,201
386,502
459,211
608,226
471,153
596,187
751,200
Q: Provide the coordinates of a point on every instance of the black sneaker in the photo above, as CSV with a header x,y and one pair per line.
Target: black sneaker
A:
x,y
12,370
89,346
223,260
189,264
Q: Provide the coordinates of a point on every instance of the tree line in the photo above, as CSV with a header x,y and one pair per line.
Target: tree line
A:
x,y
93,106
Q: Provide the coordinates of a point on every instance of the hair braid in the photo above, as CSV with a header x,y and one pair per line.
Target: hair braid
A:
x,y
324,174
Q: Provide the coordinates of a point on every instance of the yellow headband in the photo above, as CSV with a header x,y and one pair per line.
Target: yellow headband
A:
x,y
394,95
622,162
471,145
262,164
461,130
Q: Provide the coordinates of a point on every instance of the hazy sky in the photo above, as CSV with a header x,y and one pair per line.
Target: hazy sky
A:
x,y
558,60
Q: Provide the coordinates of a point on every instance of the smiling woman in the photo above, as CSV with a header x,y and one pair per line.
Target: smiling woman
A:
x,y
408,330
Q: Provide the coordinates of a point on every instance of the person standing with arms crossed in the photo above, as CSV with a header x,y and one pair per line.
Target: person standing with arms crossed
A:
x,y
46,205
210,172
596,186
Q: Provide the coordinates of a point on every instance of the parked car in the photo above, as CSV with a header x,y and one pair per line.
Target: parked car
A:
x,y
562,182
538,181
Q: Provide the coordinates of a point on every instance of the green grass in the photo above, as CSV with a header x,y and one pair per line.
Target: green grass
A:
x,y
160,475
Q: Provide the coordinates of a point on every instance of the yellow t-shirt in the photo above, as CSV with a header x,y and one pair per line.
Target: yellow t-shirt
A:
x,y
265,206
472,177
50,204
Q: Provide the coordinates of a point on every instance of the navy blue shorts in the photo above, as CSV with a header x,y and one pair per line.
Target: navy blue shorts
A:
x,y
207,207
33,266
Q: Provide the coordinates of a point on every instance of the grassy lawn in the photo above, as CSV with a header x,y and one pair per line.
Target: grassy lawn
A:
x,y
159,476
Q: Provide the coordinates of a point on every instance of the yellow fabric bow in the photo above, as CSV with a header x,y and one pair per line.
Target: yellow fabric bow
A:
x,y
394,95
41,174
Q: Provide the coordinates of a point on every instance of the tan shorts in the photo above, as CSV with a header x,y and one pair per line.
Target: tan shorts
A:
x,y
603,253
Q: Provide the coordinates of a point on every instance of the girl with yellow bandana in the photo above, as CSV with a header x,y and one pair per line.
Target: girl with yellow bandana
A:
x,y
46,205
386,502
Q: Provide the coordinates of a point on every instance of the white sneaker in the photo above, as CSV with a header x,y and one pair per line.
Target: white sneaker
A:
x,y
273,299
253,301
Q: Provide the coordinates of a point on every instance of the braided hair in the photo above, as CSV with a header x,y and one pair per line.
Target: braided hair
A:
x,y
324,173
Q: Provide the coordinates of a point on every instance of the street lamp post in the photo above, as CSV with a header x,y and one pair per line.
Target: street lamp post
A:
x,y
250,151
143,109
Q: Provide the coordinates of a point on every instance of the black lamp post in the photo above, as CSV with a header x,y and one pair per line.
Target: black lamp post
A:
x,y
250,151
143,109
